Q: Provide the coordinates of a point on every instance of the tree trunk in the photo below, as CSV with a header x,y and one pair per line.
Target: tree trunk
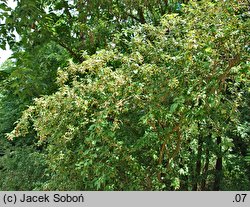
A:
x,y
205,170
198,165
218,168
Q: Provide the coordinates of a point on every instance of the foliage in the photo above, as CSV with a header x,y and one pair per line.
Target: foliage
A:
x,y
156,111
76,25
22,169
31,74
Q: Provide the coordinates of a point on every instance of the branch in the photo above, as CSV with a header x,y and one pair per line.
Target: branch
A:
x,y
76,56
178,145
141,15
66,9
133,17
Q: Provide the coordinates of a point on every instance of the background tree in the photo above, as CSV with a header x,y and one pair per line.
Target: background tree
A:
x,y
30,75
76,25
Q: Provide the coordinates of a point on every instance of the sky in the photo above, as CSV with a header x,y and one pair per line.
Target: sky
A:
x,y
5,54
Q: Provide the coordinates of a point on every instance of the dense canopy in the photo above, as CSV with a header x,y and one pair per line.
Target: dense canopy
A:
x,y
126,95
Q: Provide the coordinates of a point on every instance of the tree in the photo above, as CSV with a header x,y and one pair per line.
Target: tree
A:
x,y
157,115
30,75
76,25
44,28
